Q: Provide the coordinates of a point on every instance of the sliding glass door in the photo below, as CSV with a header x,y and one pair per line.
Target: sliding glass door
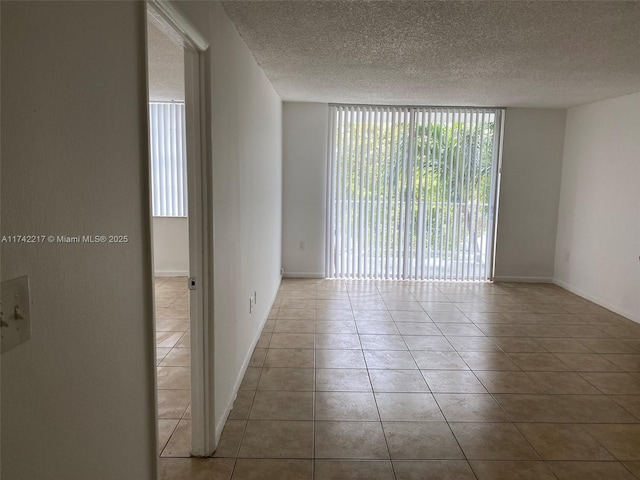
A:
x,y
412,192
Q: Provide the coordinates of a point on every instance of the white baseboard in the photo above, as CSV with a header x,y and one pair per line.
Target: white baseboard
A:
x,y
523,279
171,273
302,275
595,299
245,364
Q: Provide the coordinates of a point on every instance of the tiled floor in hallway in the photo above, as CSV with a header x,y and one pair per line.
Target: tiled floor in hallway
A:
x,y
451,381
173,366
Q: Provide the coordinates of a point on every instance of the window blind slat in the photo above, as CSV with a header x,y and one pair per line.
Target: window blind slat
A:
x,y
428,193
155,179
358,202
389,177
473,197
463,193
379,146
458,185
372,194
408,209
364,199
344,242
439,195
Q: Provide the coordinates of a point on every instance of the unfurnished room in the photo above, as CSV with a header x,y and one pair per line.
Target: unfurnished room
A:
x,y
314,240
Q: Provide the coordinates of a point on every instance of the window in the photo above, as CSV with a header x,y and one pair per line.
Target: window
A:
x,y
168,159
412,192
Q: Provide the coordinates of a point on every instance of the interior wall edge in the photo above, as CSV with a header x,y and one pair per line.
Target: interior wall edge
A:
x,y
597,232
303,275
597,300
519,279
245,364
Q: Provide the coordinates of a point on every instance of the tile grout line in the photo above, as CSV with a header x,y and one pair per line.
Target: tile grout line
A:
x,y
375,399
313,395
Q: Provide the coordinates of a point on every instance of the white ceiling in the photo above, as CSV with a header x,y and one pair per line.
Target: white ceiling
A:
x,y
166,66
485,53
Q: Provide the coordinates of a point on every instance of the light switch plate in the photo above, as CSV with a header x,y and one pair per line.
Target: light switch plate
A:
x,y
16,312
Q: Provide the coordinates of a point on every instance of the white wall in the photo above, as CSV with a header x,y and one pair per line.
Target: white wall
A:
x,y
247,196
598,242
305,128
170,246
529,193
77,398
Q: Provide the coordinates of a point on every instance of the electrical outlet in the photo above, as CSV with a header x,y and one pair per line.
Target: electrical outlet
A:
x,y
301,244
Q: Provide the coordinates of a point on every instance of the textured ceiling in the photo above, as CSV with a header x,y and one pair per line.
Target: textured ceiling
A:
x,y
166,67
485,53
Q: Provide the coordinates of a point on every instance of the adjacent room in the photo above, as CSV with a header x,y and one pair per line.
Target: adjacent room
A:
x,y
418,230
169,200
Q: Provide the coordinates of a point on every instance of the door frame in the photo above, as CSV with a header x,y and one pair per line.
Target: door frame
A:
x,y
173,23
498,141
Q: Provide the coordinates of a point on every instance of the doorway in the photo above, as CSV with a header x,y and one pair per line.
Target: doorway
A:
x,y
179,182
169,192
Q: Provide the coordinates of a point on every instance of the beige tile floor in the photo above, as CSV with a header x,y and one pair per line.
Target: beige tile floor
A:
x,y
455,381
173,366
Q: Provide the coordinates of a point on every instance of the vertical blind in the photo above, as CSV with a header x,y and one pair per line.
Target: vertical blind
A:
x,y
412,192
168,159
